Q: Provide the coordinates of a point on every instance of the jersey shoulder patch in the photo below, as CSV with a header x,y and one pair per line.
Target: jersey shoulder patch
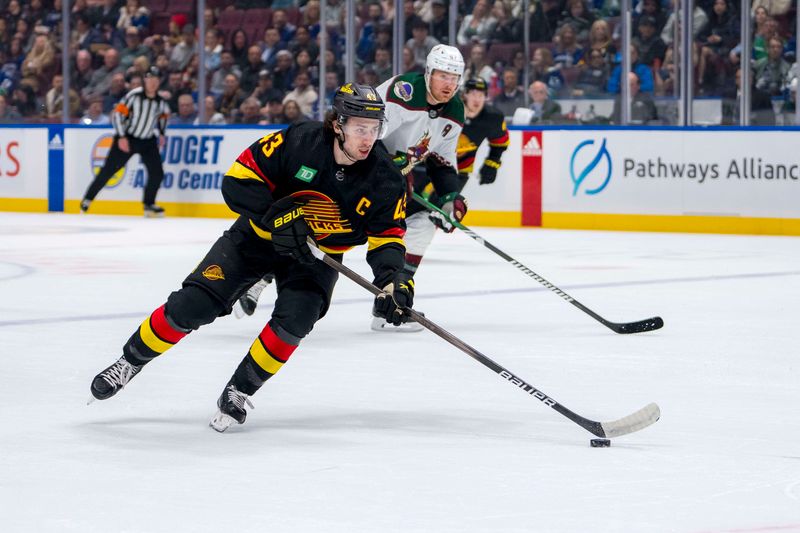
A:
x,y
407,91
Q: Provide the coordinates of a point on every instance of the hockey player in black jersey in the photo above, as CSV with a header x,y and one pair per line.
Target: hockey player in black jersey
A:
x,y
482,121
326,181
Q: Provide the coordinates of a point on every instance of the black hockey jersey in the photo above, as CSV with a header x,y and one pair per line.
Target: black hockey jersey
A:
x,y
489,124
346,205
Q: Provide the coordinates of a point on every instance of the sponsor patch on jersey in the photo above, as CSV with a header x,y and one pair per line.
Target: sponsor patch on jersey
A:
x,y
306,174
403,90
213,272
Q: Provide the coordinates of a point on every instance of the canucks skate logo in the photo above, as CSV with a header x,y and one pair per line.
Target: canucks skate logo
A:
x,y
213,272
322,214
595,167
99,153
403,90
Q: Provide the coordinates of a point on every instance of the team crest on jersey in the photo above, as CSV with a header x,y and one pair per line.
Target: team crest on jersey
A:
x,y
419,151
322,214
213,272
403,90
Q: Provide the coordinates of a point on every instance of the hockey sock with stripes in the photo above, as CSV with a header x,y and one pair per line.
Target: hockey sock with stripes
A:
x,y
268,353
156,335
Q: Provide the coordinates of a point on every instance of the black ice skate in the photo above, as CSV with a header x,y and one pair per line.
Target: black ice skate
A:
x,y
85,205
246,305
111,380
231,408
153,211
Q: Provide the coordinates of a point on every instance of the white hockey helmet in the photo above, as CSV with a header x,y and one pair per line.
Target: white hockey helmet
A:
x,y
445,58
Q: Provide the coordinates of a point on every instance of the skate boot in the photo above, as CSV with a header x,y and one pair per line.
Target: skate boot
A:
x,y
111,380
380,324
85,205
231,408
246,304
153,211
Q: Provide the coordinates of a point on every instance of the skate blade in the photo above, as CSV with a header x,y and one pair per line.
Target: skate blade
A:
x,y
221,422
379,324
150,214
238,312
91,400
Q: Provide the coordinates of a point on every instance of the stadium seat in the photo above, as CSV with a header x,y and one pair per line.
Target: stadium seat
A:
x,y
155,6
230,20
159,23
293,15
502,53
258,17
182,6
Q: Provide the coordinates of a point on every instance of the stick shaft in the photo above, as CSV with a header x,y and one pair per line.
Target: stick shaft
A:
x,y
648,324
596,428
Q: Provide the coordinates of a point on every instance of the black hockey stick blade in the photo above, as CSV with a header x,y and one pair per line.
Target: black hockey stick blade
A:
x,y
634,422
648,324
640,326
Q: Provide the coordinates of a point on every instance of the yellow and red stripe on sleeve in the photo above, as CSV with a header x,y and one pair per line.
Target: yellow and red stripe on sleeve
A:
x,y
501,141
269,351
465,163
157,334
245,167
391,235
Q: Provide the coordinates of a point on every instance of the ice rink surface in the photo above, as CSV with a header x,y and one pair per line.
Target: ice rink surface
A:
x,y
385,432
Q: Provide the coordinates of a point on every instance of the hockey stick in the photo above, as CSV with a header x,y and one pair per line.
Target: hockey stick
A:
x,y
633,422
648,324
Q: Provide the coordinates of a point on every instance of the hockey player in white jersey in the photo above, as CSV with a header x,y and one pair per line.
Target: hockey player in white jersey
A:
x,y
424,116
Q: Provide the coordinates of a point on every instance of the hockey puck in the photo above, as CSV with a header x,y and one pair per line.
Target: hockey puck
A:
x,y
600,443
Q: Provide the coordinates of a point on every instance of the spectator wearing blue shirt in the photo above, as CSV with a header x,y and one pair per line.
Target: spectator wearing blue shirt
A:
x,y
642,71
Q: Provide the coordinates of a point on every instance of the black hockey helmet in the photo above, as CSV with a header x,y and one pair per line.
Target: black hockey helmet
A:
x,y
354,100
476,84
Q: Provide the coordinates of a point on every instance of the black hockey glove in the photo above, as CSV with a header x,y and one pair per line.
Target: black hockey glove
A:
x,y
289,229
455,206
489,172
396,296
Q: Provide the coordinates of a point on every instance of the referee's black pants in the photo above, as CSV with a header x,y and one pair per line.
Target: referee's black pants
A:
x,y
147,150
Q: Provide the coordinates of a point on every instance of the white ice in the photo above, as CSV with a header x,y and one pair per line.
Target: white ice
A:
x,y
385,432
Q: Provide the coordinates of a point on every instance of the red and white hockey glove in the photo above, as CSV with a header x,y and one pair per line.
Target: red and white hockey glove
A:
x,y
455,206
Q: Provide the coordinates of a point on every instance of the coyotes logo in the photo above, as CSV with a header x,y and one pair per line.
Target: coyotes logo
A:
x,y
419,151
322,214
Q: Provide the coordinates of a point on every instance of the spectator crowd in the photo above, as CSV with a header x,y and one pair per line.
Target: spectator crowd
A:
x,y
262,57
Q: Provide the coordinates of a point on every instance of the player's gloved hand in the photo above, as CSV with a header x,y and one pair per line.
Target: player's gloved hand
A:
x,y
489,171
284,220
455,206
395,298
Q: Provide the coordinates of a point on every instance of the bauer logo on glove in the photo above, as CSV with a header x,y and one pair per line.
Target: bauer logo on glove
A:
x,y
289,229
288,217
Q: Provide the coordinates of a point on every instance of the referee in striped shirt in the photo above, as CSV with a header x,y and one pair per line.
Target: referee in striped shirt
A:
x,y
136,118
